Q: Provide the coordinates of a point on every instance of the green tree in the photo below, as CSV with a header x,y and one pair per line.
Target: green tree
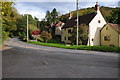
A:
x,y
82,33
9,16
22,26
115,16
46,36
48,18
54,15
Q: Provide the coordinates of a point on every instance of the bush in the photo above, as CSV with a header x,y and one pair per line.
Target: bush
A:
x,y
46,36
22,35
40,39
53,41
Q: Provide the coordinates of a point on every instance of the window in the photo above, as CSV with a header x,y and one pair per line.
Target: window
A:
x,y
106,38
92,39
69,38
99,21
69,31
65,38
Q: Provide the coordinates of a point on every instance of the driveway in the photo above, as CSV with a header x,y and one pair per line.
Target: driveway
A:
x,y
23,60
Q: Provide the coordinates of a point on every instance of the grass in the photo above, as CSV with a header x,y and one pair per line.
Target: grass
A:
x,y
80,47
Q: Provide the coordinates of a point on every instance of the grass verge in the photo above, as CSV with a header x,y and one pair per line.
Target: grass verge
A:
x,y
80,47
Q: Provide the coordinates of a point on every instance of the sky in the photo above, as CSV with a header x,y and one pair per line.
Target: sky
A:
x,y
38,8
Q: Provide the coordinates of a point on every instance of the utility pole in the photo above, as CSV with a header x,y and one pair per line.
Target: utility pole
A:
x,y
77,22
27,29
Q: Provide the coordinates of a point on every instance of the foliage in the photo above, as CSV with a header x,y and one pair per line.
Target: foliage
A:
x,y
40,39
9,16
63,18
42,25
106,12
51,17
32,28
5,35
53,41
48,18
115,16
45,36
54,15
80,47
22,26
22,35
82,34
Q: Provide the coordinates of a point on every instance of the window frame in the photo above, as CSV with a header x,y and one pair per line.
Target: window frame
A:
x,y
69,30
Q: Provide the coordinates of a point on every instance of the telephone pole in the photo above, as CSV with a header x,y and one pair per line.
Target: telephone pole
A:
x,y
27,29
77,22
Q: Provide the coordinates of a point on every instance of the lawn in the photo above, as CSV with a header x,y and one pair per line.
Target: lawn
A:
x,y
80,47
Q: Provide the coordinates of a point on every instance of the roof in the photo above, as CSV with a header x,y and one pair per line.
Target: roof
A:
x,y
115,26
59,24
85,19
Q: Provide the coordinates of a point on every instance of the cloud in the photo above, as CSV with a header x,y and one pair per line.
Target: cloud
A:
x,y
65,0
30,9
38,9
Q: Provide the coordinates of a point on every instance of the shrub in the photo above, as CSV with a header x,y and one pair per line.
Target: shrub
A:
x,y
46,36
22,35
40,39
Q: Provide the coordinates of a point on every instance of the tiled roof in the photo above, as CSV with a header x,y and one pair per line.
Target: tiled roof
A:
x,y
85,19
59,24
115,26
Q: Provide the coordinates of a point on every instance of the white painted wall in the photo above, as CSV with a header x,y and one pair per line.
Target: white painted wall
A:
x,y
94,29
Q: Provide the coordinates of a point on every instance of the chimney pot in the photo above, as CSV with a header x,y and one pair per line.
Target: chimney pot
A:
x,y
97,7
70,15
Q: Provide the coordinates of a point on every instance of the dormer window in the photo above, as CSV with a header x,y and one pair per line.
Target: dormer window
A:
x,y
99,21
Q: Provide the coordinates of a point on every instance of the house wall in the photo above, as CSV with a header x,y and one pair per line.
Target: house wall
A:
x,y
58,31
114,36
65,34
94,29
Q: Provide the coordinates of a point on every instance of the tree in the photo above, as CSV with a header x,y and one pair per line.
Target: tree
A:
x,y
115,16
82,33
54,15
22,26
48,18
9,16
46,36
37,22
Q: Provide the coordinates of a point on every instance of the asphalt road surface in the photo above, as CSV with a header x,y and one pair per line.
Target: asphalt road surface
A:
x,y
23,60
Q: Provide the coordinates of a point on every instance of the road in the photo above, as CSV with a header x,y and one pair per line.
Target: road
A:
x,y
23,60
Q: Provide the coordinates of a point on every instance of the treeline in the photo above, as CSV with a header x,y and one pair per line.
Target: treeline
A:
x,y
14,24
50,18
110,14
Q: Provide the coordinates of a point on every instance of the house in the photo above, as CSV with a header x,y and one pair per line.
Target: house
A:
x,y
110,35
58,28
95,22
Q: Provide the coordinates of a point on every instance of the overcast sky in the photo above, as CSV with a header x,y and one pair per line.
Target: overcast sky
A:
x,y
38,8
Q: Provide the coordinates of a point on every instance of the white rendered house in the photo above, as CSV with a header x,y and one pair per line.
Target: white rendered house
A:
x,y
95,22
95,26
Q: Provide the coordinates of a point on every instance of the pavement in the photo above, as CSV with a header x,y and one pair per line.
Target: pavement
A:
x,y
23,60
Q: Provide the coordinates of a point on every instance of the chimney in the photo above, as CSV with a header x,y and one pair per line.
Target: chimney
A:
x,y
97,7
70,15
